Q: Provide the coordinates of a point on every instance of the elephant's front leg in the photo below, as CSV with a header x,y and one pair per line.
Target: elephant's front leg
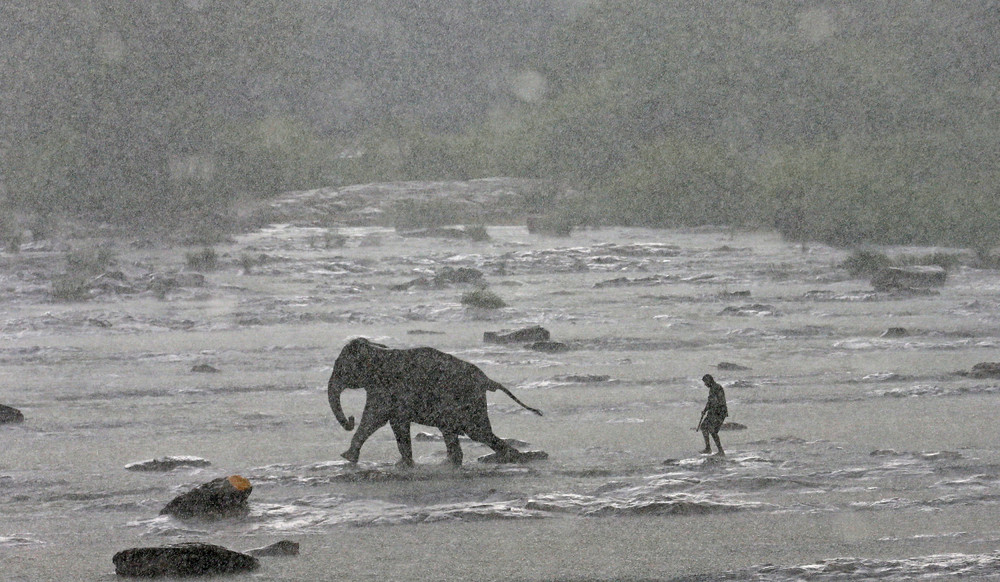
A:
x,y
372,419
401,428
454,448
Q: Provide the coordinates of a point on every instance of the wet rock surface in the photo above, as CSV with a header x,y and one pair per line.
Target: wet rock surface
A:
x,y
187,559
906,278
281,548
168,463
222,497
986,370
10,415
535,333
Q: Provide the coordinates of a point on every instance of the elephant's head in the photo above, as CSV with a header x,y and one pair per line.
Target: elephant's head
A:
x,y
353,369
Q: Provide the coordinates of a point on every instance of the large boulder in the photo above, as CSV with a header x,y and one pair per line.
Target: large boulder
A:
x,y
9,414
535,333
188,559
222,497
905,278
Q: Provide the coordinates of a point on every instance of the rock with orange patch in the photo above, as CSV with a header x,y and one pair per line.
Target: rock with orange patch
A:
x,y
222,497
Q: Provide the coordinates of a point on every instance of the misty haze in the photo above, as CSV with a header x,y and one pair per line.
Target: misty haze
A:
x,y
596,203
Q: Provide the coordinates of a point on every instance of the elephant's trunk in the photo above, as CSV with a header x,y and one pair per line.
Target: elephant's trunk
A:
x,y
333,390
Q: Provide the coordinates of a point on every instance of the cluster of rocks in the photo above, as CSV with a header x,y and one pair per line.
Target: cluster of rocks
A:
x,y
488,200
217,499
535,338
118,283
444,278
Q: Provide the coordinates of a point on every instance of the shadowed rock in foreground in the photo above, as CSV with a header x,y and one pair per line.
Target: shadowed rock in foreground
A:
x,y
10,415
222,497
188,559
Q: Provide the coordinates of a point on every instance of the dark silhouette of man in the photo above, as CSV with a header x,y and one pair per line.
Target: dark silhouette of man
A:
x,y
714,414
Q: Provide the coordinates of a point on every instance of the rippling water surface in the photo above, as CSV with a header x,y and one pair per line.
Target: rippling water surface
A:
x,y
853,455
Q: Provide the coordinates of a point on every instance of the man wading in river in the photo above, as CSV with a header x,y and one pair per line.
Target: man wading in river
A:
x,y
714,413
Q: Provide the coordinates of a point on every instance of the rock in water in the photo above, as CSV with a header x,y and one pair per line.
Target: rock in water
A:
x,y
986,370
167,463
535,333
222,497
549,346
903,278
189,559
282,548
10,414
895,332
731,366
205,369
520,457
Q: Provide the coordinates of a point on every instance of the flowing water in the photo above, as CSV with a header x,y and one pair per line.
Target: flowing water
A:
x,y
854,455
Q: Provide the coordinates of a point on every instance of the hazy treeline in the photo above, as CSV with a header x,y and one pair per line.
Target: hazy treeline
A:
x,y
846,121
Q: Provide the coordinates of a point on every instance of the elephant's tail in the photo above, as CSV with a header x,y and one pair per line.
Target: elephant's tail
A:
x,y
514,398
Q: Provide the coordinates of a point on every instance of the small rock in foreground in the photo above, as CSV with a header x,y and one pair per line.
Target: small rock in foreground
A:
x,y
188,559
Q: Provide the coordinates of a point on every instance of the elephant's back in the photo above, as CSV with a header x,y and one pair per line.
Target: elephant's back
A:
x,y
436,367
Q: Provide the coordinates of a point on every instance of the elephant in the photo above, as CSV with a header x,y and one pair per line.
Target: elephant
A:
x,y
417,385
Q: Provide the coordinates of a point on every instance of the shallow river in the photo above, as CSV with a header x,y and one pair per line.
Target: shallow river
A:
x,y
855,455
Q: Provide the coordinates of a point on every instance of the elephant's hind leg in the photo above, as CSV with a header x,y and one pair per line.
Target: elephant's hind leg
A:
x,y
454,448
505,452
401,429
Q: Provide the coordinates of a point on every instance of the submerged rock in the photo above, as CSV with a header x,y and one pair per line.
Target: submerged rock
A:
x,y
222,497
188,559
535,333
446,277
730,366
282,548
895,332
10,414
752,309
167,463
520,457
205,369
732,426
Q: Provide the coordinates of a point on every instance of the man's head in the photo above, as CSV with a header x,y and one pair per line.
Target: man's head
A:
x,y
708,379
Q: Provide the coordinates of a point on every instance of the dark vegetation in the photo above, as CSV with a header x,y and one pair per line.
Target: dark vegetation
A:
x,y
843,122
483,298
